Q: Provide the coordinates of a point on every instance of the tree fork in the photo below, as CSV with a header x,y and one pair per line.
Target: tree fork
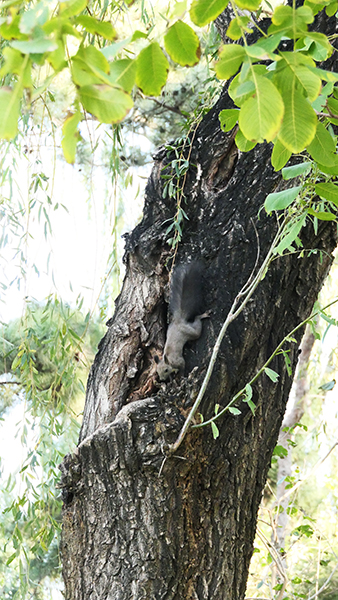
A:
x,y
128,532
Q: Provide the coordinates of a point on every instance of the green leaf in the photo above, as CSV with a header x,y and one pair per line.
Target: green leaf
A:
x,y
242,143
234,411
271,374
152,70
290,21
249,4
9,111
215,430
92,25
90,66
322,215
328,190
291,235
236,27
248,392
322,148
71,136
57,58
252,406
230,59
228,118
280,155
203,12
109,105
280,451
123,72
299,124
297,170
35,16
18,64
281,200
72,7
261,115
182,44
36,46
240,92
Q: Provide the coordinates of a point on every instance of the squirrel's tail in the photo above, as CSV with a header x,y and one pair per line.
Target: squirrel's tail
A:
x,y
186,292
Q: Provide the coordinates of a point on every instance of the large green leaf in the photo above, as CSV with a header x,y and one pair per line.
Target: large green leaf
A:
x,y
109,105
39,45
89,66
152,70
299,123
291,22
230,59
296,68
322,148
281,200
16,63
203,12
261,115
182,44
328,190
72,7
92,25
123,72
9,111
71,136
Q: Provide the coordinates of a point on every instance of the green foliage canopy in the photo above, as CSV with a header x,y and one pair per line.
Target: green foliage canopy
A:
x,y
279,94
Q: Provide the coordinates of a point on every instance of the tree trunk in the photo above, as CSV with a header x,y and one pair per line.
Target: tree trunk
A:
x,y
138,527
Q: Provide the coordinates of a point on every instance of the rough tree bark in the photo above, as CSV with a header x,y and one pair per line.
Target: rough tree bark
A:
x,y
131,532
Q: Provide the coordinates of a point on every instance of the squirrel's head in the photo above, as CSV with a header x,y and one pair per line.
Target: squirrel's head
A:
x,y
164,369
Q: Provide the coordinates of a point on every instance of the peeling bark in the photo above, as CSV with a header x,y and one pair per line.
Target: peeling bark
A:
x,y
128,532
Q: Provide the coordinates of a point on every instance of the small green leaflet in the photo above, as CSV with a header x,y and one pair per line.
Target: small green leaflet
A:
x,y
152,70
280,451
182,44
329,191
203,12
242,143
234,411
281,200
215,430
9,111
327,387
228,118
71,136
271,374
296,170
291,236
322,148
280,155
322,215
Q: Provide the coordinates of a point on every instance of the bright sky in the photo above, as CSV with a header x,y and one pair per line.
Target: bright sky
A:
x,y
81,239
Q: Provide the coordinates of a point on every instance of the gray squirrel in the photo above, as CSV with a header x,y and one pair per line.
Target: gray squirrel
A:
x,y
185,304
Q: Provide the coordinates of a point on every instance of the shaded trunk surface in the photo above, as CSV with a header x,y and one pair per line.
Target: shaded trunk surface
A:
x,y
131,529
